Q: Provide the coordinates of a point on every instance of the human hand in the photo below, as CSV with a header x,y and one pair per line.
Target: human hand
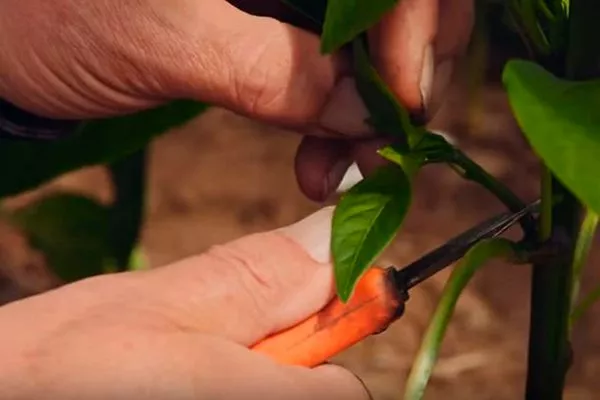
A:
x,y
94,59
414,48
181,331
102,58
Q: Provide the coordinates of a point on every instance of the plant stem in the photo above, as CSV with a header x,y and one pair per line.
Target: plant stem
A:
x,y
474,172
582,249
552,280
584,63
550,304
432,340
585,304
545,225
584,241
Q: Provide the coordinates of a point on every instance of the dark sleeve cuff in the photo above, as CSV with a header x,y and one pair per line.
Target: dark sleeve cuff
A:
x,y
16,123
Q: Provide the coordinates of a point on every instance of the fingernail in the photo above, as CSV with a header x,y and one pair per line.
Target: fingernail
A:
x,y
335,176
435,79
441,83
313,234
351,178
345,112
427,73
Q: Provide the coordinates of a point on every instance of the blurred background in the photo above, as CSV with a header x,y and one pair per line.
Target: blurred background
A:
x,y
223,176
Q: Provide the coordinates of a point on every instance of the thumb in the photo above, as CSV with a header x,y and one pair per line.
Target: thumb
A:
x,y
254,286
262,68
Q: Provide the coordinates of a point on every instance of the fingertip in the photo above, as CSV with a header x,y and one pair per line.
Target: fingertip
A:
x,y
320,165
400,44
415,51
312,233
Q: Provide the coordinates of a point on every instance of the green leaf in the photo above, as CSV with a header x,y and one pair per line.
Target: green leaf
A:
x,y
346,19
430,345
386,113
365,222
393,155
561,121
71,231
29,164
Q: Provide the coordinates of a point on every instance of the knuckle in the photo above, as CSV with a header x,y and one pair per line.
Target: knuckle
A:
x,y
276,83
260,85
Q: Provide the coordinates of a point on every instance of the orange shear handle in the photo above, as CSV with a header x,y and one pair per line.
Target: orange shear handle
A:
x,y
375,303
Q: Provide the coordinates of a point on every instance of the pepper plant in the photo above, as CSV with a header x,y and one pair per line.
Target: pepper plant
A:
x,y
79,236
554,93
554,97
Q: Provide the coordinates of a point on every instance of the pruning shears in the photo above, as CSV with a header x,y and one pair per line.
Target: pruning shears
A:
x,y
378,300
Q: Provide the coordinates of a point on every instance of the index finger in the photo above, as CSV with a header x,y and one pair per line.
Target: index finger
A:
x,y
414,48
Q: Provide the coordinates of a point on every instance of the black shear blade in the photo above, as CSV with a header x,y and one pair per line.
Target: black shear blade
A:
x,y
454,249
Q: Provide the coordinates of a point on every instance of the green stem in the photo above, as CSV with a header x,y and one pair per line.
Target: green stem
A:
x,y
472,171
520,29
432,340
545,224
524,15
584,241
585,305
582,249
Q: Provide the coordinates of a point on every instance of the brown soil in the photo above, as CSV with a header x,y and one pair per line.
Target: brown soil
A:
x,y
224,176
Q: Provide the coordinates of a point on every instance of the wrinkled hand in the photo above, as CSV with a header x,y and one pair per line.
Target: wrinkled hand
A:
x,y
181,331
78,58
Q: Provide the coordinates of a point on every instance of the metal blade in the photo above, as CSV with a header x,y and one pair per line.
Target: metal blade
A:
x,y
454,249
